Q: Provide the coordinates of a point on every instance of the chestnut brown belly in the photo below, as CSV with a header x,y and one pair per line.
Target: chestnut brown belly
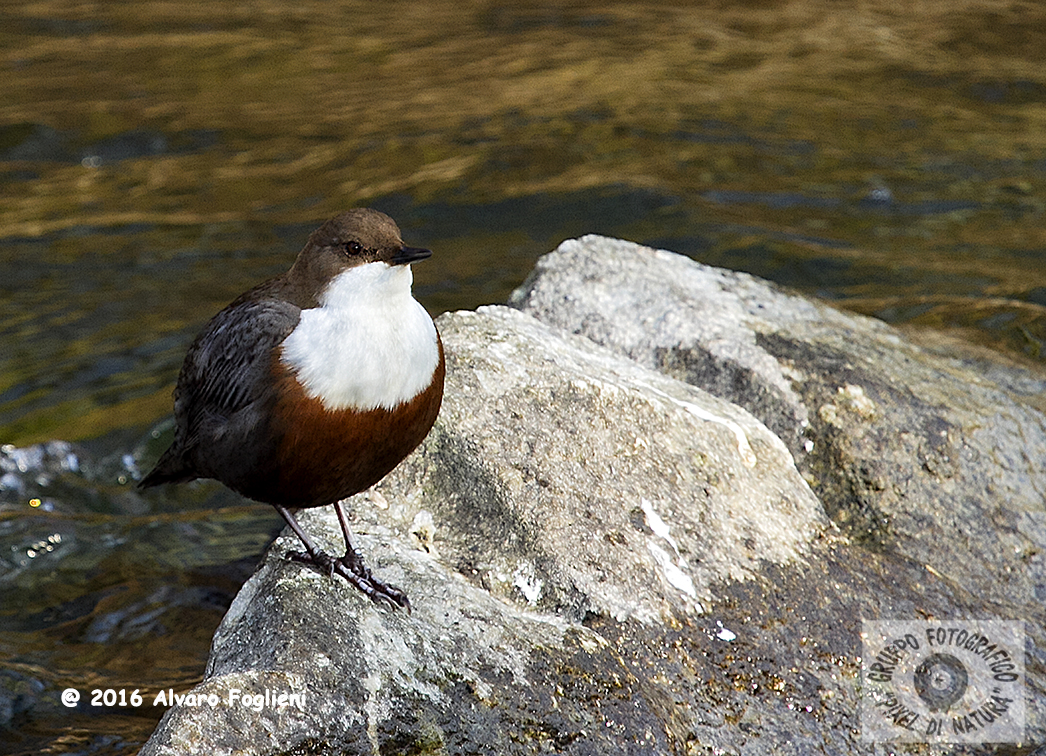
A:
x,y
320,456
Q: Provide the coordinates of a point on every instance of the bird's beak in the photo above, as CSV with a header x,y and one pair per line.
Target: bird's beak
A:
x,y
410,254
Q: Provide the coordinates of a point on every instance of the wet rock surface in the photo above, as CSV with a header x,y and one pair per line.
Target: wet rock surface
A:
x,y
603,558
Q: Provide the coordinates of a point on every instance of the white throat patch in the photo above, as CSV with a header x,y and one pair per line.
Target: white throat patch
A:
x,y
369,344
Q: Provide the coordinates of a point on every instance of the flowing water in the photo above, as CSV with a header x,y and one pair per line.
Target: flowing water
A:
x,y
158,158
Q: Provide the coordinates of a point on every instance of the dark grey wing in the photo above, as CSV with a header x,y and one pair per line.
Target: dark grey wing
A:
x,y
229,363
225,371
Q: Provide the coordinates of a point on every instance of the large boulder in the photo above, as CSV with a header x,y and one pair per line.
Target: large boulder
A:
x,y
940,458
603,558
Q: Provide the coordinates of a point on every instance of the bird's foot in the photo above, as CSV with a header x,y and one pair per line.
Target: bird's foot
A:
x,y
352,568
321,560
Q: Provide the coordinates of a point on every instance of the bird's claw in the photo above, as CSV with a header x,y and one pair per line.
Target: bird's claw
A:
x,y
352,568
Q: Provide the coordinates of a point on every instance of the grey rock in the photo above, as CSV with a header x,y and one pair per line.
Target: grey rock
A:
x,y
604,559
19,693
561,482
463,673
935,456
664,311
555,460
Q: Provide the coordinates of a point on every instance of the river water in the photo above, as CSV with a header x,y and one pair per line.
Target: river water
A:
x,y
158,158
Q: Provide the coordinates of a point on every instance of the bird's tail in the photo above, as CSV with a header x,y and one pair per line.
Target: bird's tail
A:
x,y
171,468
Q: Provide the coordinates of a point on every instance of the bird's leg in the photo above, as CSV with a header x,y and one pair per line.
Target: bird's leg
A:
x,y
353,559
312,554
353,562
350,567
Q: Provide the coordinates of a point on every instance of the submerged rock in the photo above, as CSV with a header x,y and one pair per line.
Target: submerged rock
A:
x,y
605,559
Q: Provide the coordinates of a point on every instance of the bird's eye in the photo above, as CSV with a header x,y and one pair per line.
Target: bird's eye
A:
x,y
353,247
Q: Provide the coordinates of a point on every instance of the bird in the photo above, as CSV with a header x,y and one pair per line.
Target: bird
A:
x,y
314,385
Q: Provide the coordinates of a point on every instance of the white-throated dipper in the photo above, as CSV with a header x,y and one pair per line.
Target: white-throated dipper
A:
x,y
313,385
